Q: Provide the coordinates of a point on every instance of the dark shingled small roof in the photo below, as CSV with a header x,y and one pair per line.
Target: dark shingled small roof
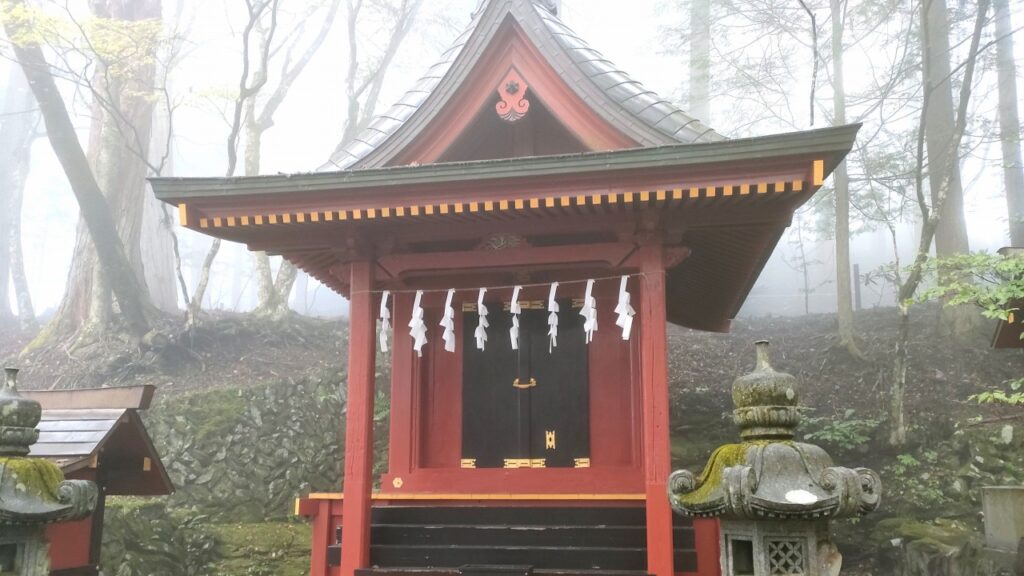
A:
x,y
624,102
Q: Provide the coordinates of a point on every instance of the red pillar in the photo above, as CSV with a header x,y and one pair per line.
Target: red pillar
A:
x,y
654,384
706,534
355,549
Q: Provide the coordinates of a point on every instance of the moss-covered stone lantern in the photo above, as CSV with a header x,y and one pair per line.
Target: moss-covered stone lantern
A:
x,y
775,496
33,492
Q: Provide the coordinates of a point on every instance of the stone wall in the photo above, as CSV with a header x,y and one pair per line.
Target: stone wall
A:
x,y
244,455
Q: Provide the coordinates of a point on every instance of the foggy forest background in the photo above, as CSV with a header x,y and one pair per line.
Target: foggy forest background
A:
x,y
100,95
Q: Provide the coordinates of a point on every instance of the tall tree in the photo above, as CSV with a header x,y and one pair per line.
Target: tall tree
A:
x,y
18,119
250,82
119,140
365,79
700,60
1009,122
113,262
273,292
841,183
943,161
932,211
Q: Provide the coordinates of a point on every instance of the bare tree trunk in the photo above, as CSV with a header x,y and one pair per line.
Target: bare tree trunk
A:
x,y
18,120
26,311
360,111
951,235
95,211
700,60
1009,122
841,180
122,117
931,219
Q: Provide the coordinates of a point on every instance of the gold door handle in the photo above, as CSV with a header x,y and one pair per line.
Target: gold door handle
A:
x,y
523,386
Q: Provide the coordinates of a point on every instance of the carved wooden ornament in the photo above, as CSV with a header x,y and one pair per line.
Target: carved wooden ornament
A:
x,y
514,105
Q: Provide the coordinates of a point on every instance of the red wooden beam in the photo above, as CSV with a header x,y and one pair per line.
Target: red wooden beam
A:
x,y
612,254
359,420
654,386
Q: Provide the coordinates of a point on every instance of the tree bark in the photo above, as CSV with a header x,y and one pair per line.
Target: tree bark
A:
x,y
700,60
1009,123
841,182
951,234
95,211
19,118
119,140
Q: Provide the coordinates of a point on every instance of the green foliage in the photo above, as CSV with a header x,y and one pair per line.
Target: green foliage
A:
x,y
1015,397
846,432
993,282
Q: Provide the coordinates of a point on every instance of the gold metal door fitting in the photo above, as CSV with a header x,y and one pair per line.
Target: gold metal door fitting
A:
x,y
523,386
549,439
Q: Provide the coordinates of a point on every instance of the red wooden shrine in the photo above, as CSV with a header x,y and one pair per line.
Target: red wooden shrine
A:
x,y
522,158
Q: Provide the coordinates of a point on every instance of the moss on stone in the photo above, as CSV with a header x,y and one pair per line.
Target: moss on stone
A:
x,y
279,548
710,479
940,536
40,478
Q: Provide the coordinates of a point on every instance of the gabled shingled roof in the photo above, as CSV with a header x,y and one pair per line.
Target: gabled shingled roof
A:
x,y
626,104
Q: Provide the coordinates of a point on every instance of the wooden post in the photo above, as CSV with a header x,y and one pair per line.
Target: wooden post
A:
x,y
321,539
654,384
355,549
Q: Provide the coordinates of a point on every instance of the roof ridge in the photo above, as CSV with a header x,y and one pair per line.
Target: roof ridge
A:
x,y
642,114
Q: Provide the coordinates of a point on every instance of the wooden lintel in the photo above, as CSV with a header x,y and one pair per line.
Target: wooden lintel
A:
x,y
611,254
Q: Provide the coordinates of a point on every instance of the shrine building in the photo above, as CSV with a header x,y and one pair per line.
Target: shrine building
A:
x,y
523,222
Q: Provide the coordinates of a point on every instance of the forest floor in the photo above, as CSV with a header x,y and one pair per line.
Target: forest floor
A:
x,y
846,397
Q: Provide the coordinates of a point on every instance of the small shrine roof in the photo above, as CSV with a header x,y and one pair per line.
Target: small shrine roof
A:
x,y
647,118
99,428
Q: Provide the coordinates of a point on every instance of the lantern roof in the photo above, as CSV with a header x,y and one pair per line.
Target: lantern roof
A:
x,y
769,475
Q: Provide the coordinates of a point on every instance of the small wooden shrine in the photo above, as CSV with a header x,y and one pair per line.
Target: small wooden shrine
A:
x,y
97,435
527,218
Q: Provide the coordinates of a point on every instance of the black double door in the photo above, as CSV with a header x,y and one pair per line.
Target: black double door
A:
x,y
526,407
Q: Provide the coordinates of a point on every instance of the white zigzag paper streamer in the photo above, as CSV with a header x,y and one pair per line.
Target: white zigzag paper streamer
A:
x,y
516,310
624,309
482,323
589,312
385,321
418,328
448,323
552,318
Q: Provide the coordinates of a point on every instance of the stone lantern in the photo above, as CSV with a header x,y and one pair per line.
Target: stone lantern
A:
x,y
775,496
33,492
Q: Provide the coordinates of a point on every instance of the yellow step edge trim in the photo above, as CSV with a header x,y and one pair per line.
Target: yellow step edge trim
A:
x,y
490,496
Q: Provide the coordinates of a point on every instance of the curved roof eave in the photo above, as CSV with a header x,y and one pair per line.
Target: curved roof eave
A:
x,y
622,101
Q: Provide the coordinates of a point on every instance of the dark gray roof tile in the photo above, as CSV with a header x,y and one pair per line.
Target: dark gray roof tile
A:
x,y
652,119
